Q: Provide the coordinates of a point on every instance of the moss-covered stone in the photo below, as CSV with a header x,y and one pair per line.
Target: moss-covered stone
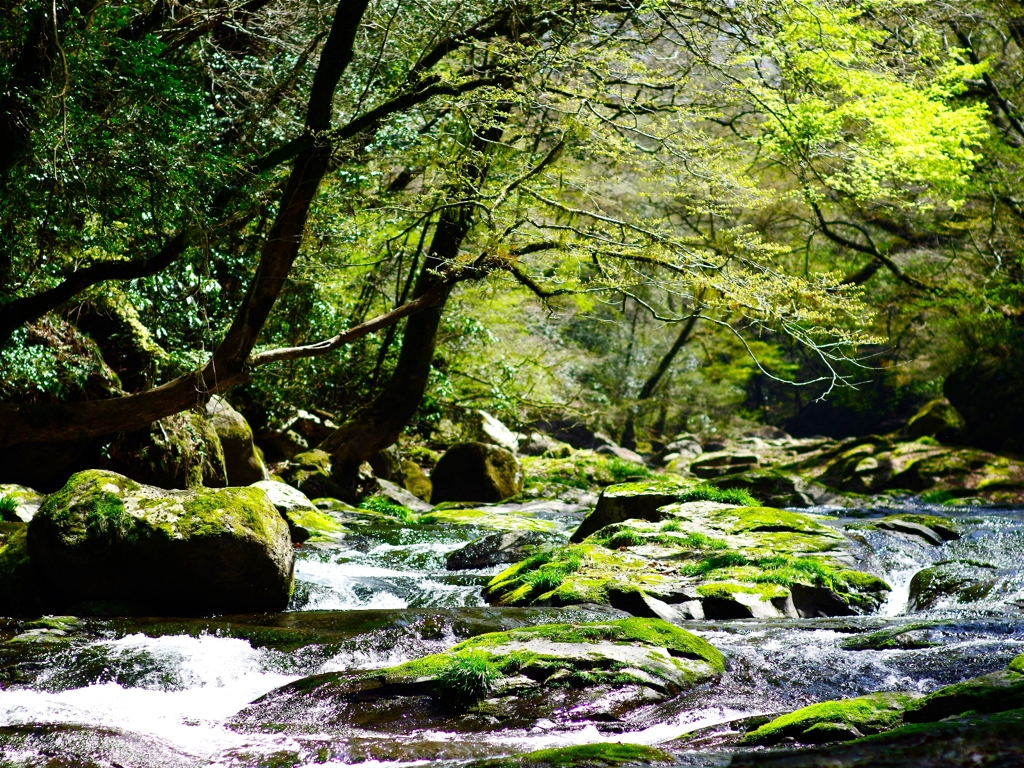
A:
x,y
904,637
950,583
243,464
493,520
18,584
602,755
416,481
476,472
715,560
105,538
310,472
996,692
554,670
943,528
18,503
305,521
842,720
1017,665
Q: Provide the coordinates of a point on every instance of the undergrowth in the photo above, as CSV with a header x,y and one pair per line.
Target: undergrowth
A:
x,y
388,507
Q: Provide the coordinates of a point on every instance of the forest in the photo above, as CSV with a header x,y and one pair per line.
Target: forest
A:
x,y
511,383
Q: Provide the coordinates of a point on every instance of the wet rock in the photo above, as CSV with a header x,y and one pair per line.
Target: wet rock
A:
x,y
717,463
734,561
489,518
242,463
18,503
937,529
936,418
906,637
106,539
498,548
86,746
476,472
949,583
836,720
519,677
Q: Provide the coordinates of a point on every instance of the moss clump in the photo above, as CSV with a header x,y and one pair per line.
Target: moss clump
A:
x,y
388,507
466,679
604,755
9,509
708,492
1017,665
865,714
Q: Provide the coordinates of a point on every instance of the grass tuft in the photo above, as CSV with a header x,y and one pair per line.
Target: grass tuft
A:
x,y
467,678
388,507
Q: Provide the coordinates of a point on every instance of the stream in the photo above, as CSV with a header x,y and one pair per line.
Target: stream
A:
x,y
162,692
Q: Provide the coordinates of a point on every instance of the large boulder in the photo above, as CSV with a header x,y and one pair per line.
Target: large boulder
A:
x,y
476,472
562,672
310,472
696,552
242,462
105,543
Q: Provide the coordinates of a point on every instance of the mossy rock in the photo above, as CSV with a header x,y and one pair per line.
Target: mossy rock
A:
x,y
476,472
951,583
936,418
936,529
305,521
602,755
718,463
643,500
996,692
105,539
243,463
777,488
699,559
18,503
836,720
582,470
552,670
416,481
905,637
310,472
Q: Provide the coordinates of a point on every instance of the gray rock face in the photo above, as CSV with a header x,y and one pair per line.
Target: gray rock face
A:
x,y
104,543
480,426
242,463
476,472
498,548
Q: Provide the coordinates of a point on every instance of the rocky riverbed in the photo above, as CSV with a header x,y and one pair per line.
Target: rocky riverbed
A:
x,y
662,622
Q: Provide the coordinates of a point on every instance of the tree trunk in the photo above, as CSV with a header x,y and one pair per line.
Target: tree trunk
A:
x,y
379,424
228,365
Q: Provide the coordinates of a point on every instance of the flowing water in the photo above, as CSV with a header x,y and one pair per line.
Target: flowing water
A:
x,y
155,692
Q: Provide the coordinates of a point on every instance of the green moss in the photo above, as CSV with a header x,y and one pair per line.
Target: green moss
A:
x,y
489,519
466,679
943,526
868,714
388,507
936,497
8,509
1017,665
603,755
708,492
